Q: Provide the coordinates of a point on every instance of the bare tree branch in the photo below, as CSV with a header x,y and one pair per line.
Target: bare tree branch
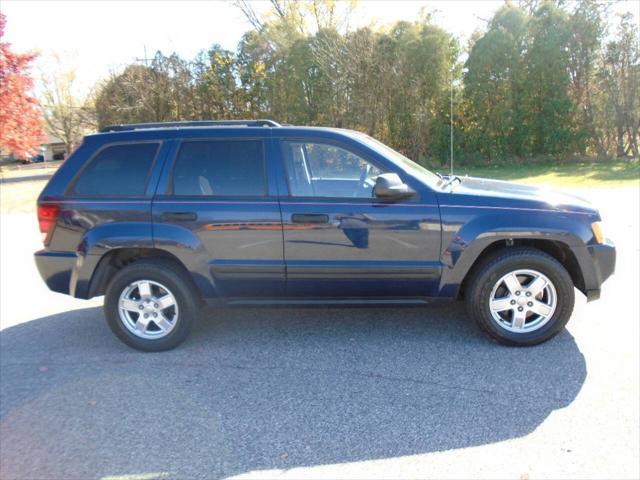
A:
x,y
250,14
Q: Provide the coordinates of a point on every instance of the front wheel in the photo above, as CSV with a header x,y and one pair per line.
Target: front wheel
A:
x,y
521,296
150,305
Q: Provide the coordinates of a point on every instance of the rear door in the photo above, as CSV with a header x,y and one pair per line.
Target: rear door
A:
x,y
218,191
340,241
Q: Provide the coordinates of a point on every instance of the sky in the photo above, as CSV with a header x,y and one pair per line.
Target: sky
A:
x,y
97,37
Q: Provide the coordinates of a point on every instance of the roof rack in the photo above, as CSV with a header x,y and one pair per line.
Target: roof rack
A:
x,y
198,123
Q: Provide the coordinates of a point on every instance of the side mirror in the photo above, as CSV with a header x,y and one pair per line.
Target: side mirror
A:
x,y
389,186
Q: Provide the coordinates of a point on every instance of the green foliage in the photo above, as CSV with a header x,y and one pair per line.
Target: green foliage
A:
x,y
620,77
496,86
549,108
540,81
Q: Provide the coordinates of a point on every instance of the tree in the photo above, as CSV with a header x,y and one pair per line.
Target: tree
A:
x,y
20,117
215,91
528,85
587,29
67,116
417,61
540,81
303,17
550,108
159,92
621,78
494,85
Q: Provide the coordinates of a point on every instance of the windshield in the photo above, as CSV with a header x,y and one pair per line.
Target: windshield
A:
x,y
407,164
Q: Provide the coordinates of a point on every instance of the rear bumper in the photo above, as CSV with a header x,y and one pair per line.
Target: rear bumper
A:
x,y
603,264
55,269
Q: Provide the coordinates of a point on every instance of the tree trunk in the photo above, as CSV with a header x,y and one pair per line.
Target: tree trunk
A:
x,y
633,142
620,150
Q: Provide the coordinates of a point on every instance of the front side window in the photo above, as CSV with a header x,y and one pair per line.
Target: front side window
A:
x,y
220,168
326,170
118,170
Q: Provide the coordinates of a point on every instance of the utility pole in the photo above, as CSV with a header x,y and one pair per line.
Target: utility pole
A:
x,y
144,59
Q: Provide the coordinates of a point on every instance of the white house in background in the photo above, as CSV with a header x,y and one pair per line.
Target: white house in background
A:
x,y
54,149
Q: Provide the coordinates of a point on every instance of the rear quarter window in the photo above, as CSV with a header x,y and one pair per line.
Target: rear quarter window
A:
x,y
117,170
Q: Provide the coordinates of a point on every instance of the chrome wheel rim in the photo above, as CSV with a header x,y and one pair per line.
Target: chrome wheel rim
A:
x,y
523,301
148,309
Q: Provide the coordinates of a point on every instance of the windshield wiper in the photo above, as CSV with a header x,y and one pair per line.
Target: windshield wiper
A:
x,y
452,179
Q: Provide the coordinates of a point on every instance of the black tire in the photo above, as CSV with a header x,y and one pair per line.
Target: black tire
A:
x,y
166,273
490,271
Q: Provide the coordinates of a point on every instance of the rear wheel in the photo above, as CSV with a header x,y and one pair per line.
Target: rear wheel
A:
x,y
150,305
521,296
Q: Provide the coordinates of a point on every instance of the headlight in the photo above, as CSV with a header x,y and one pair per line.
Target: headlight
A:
x,y
596,228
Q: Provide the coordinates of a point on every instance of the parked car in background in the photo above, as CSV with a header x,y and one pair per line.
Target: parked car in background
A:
x,y
33,159
161,218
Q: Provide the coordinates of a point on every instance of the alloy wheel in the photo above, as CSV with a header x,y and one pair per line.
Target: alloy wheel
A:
x,y
523,301
148,309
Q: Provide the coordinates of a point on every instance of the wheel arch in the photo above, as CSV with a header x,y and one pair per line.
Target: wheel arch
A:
x,y
116,259
558,250
561,235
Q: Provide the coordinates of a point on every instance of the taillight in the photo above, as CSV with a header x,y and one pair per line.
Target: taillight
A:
x,y
47,217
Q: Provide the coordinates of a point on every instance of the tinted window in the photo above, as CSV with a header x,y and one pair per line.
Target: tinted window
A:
x,y
325,170
220,168
119,170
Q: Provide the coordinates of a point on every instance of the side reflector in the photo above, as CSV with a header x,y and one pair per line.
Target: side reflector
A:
x,y
596,228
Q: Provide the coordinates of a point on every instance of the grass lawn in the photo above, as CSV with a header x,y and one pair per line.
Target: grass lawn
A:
x,y
605,174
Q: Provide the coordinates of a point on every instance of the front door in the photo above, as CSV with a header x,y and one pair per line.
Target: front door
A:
x,y
340,241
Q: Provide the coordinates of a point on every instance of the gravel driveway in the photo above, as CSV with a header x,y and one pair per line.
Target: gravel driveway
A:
x,y
325,392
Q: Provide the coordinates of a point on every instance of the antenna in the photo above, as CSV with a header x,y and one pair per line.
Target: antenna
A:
x,y
462,59
451,119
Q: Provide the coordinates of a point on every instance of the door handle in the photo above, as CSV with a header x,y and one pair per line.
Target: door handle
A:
x,y
309,218
179,216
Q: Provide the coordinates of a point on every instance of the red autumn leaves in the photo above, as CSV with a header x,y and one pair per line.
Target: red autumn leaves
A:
x,y
21,122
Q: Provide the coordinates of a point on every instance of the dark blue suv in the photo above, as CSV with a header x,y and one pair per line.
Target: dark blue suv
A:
x,y
161,218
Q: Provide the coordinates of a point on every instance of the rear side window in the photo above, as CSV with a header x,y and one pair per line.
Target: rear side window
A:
x,y
220,168
118,170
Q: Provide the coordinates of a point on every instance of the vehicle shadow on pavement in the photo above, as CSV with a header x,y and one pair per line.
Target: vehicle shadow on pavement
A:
x,y
268,388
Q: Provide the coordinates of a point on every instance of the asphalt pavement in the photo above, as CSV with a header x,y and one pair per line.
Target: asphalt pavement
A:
x,y
383,392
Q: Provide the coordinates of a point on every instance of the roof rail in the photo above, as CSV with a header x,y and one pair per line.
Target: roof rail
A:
x,y
197,123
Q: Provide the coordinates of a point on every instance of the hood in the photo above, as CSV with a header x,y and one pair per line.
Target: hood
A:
x,y
518,194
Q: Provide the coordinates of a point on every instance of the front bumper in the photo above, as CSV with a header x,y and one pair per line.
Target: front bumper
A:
x,y
603,261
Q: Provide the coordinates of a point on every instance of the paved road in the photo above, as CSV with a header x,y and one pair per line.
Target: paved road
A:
x,y
319,393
